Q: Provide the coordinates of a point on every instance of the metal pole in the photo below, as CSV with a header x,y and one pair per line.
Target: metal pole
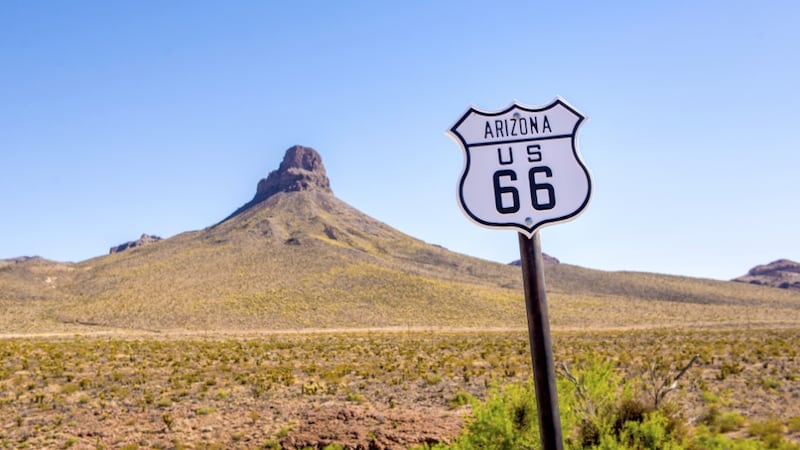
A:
x,y
544,376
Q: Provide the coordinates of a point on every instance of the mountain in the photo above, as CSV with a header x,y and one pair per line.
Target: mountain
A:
x,y
297,257
783,273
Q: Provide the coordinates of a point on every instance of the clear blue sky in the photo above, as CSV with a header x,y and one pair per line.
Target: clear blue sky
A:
x,y
123,118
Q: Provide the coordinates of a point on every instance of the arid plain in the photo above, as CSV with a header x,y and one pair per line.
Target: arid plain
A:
x,y
300,322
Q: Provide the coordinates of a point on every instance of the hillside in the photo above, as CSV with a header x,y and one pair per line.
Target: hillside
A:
x,y
296,256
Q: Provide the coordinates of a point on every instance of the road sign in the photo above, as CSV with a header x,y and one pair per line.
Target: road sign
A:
x,y
522,168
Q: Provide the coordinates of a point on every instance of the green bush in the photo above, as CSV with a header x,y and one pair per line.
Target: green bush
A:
x,y
591,399
770,432
333,447
731,421
598,411
705,440
652,432
793,424
506,421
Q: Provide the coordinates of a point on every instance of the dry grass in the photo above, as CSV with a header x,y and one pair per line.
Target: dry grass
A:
x,y
244,392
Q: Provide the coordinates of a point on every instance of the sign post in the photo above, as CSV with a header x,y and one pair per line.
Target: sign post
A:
x,y
544,374
522,170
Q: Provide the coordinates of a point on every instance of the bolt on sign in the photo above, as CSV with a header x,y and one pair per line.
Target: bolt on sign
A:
x,y
522,168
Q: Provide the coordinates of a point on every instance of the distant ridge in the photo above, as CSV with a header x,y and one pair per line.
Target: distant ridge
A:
x,y
23,259
143,240
783,273
546,259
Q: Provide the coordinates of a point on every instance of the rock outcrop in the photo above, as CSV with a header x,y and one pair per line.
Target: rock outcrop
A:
x,y
145,239
300,170
783,273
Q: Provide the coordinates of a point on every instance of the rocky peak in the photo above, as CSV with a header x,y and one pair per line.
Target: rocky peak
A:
x,y
300,170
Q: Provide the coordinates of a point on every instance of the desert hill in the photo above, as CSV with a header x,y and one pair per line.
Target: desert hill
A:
x,y
297,257
783,273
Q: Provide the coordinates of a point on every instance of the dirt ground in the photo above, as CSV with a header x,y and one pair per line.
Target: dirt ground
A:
x,y
385,390
290,422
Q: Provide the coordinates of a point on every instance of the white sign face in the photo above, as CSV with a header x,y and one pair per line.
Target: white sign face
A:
x,y
522,169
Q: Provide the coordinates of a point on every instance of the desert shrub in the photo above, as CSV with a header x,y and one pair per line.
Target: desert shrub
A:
x,y
731,421
460,399
729,368
652,431
770,432
598,411
770,383
507,420
618,414
718,422
706,440
271,444
596,403
793,424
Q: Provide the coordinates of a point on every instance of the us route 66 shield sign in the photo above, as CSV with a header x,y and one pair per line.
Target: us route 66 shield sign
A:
x,y
522,168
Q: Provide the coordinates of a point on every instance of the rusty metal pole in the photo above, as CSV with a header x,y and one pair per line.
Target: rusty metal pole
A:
x,y
544,376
